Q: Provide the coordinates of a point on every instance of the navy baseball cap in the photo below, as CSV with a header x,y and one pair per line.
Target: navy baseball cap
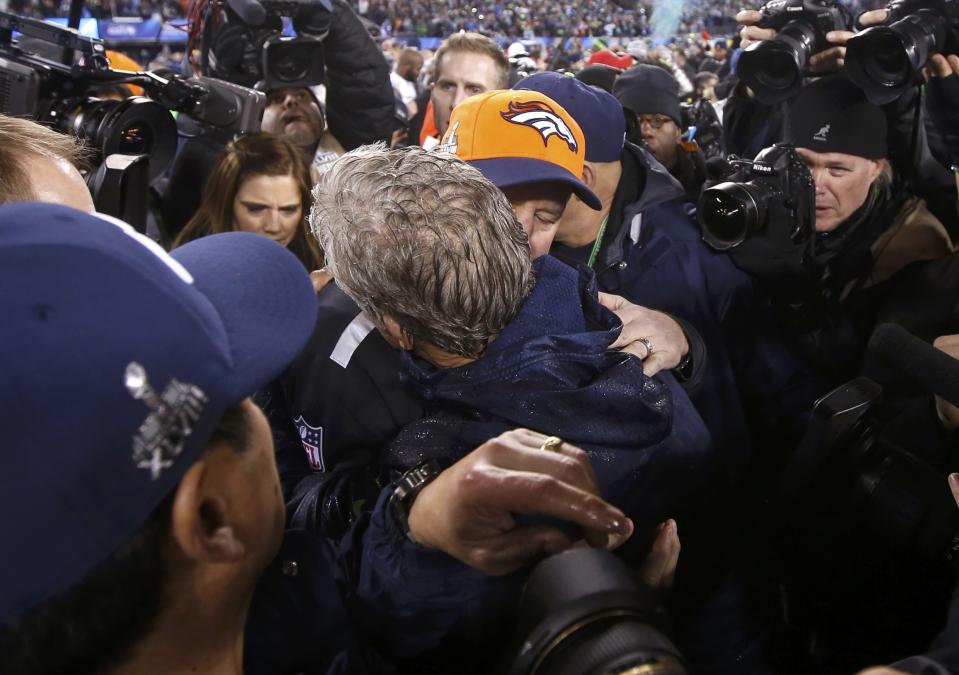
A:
x,y
597,112
118,362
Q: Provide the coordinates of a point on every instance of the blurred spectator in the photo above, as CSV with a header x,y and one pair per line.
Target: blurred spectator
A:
x,y
404,76
610,58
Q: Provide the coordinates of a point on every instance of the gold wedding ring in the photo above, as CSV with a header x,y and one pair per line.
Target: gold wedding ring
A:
x,y
551,444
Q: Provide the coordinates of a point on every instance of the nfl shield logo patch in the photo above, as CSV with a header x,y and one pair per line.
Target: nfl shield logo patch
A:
x,y
312,439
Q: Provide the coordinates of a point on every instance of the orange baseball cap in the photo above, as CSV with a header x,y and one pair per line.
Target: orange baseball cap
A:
x,y
518,138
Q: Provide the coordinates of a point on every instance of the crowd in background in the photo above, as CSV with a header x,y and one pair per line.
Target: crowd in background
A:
x,y
503,19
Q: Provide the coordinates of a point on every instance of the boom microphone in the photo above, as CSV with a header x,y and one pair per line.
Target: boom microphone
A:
x,y
932,369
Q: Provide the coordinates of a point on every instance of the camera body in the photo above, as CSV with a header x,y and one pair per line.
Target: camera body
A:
x,y
701,116
776,187
244,42
774,69
822,15
884,61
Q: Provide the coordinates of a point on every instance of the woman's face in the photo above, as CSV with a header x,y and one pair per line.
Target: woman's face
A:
x,y
268,205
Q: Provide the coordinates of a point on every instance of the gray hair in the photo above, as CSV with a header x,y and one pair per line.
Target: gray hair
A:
x,y
424,238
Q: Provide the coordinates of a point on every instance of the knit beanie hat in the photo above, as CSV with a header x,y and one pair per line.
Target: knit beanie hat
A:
x,y
647,89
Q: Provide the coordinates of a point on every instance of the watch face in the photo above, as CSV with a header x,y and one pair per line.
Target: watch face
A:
x,y
410,485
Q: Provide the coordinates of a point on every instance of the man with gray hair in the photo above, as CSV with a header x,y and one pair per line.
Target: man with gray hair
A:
x,y
440,264
435,256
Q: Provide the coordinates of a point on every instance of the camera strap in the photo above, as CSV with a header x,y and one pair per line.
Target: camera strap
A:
x,y
599,241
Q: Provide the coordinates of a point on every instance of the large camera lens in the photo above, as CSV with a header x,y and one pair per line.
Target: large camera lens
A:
x,y
730,212
287,63
773,69
134,126
884,60
292,62
583,612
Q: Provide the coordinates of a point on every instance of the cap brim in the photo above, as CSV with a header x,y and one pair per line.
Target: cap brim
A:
x,y
264,298
504,172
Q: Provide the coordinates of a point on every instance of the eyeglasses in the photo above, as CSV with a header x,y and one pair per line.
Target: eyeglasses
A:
x,y
655,121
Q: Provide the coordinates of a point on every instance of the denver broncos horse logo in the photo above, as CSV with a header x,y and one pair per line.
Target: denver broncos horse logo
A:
x,y
541,117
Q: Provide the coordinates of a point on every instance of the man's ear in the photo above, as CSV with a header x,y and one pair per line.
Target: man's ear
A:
x,y
200,522
589,175
396,334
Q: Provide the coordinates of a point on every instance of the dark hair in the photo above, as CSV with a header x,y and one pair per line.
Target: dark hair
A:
x,y
92,625
254,155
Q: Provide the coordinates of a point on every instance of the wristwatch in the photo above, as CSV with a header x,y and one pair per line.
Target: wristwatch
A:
x,y
409,486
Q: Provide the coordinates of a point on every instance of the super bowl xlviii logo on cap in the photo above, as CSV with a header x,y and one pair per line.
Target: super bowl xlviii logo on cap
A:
x,y
312,439
541,117
451,144
173,412
823,134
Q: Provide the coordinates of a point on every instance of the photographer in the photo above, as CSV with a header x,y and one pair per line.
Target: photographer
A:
x,y
867,228
359,97
752,122
359,109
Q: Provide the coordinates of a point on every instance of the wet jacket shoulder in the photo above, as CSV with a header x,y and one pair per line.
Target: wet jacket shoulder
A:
x,y
551,370
359,98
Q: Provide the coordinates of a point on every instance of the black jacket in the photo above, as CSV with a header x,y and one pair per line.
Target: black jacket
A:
x,y
359,97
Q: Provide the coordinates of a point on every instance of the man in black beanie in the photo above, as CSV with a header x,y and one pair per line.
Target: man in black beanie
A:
x,y
650,96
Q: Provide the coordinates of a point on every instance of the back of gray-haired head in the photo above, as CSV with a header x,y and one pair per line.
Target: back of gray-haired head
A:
x,y
426,239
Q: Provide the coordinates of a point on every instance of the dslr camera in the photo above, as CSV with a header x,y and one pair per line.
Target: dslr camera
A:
x,y
885,60
774,188
774,69
703,127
